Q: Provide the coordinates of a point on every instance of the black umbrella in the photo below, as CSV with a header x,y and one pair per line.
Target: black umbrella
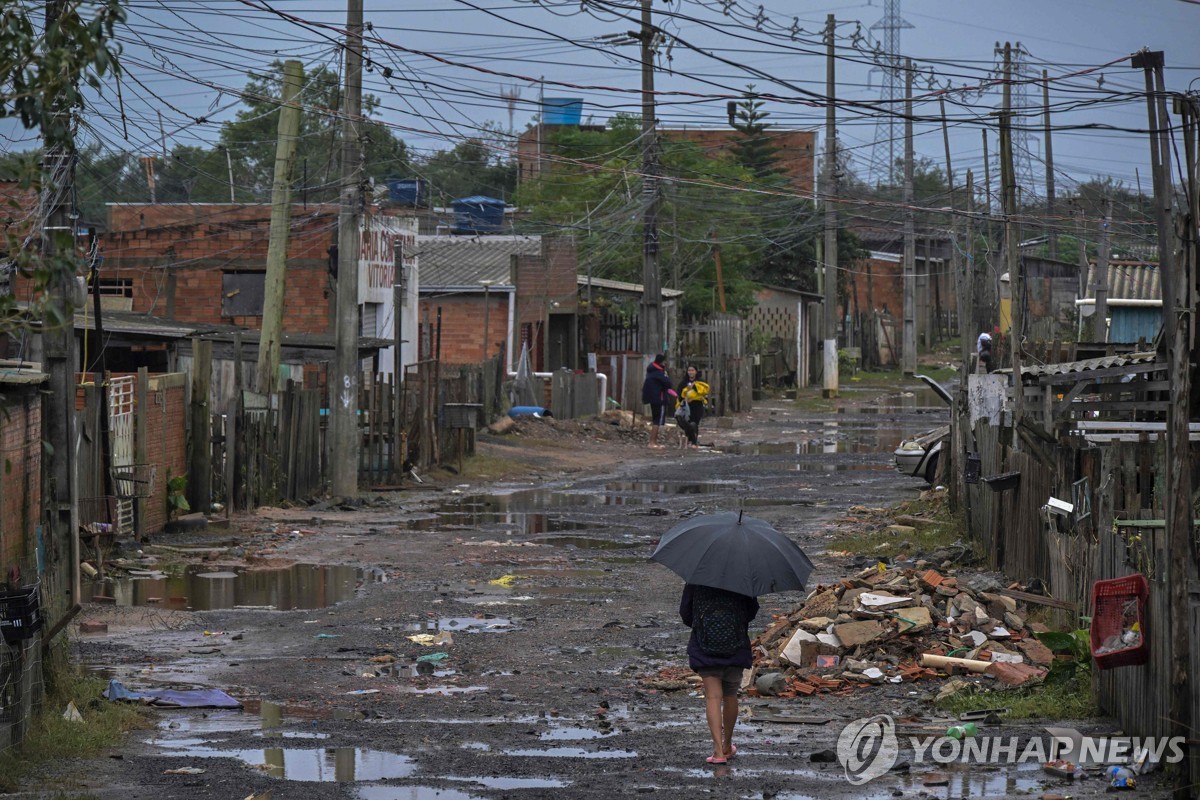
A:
x,y
728,551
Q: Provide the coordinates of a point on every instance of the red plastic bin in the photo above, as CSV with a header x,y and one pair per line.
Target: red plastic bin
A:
x,y
1110,599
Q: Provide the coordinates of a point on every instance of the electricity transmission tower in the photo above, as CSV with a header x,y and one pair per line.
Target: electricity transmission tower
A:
x,y
1023,118
883,154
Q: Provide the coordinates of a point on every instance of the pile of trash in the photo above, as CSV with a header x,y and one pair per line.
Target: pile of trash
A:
x,y
898,625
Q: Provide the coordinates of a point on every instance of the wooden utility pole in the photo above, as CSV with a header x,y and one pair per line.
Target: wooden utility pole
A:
x,y
269,343
830,365
966,333
1178,483
58,177
987,176
1051,222
650,321
1008,199
712,236
200,468
343,389
1100,290
909,354
969,301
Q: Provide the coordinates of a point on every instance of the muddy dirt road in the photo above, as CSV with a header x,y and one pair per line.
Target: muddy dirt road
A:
x,y
536,616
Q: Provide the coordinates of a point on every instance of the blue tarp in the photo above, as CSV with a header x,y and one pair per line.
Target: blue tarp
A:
x,y
190,698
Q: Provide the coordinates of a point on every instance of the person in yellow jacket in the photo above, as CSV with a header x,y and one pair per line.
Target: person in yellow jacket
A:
x,y
694,392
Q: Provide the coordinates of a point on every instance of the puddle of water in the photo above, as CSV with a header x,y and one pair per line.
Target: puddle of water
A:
x,y
473,624
513,783
291,735
445,691
668,487
589,543
199,588
808,466
332,764
411,793
214,722
529,523
570,752
573,734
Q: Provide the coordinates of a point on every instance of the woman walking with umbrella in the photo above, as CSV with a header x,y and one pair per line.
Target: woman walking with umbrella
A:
x,y
727,561
718,650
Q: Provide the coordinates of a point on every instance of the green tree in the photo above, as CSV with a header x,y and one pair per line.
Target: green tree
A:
x,y
477,166
250,138
42,71
754,147
593,189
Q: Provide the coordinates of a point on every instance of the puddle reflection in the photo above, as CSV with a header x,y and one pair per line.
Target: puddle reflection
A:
x,y
200,588
332,764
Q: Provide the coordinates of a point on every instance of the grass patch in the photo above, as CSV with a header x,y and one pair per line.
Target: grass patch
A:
x,y
1062,700
870,535
491,466
53,739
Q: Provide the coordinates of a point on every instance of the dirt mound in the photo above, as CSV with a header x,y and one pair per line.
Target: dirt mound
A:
x,y
612,426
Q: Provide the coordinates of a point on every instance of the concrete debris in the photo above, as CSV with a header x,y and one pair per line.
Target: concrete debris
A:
x,y
899,625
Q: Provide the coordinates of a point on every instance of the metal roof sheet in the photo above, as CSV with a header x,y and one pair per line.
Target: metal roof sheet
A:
x,y
456,261
1086,365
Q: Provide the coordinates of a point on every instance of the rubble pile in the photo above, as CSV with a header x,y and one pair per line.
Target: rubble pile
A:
x,y
897,625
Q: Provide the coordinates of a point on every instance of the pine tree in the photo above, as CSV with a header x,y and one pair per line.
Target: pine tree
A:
x,y
754,148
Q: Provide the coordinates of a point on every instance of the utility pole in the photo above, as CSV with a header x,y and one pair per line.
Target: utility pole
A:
x,y
1175,335
343,388
650,325
961,284
716,243
271,335
58,242
1100,290
972,305
987,175
1051,223
830,190
909,353
1008,200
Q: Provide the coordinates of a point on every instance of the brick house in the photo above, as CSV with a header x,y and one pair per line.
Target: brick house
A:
x,y
203,264
522,288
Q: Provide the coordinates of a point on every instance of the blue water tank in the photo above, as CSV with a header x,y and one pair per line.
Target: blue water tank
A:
x,y
562,110
478,214
407,192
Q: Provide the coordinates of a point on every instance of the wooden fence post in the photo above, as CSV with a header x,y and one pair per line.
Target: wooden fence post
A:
x,y
200,477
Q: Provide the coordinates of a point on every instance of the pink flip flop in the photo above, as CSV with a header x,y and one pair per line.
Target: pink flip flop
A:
x,y
715,760
732,751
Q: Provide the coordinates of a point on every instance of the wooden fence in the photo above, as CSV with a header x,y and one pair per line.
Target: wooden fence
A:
x,y
272,450
1121,483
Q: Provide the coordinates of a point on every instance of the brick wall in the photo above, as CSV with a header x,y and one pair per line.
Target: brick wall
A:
x,y
199,243
20,479
883,282
166,441
462,324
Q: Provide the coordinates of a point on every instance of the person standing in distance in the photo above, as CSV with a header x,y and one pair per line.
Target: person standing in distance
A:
x,y
659,394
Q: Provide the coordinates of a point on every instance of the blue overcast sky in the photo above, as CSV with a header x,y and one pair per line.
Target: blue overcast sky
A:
x,y
185,59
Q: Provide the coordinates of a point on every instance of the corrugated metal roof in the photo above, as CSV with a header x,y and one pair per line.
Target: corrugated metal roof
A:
x,y
457,261
1130,280
1085,365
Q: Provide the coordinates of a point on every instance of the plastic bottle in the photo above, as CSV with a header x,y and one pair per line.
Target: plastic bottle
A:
x,y
1120,778
962,731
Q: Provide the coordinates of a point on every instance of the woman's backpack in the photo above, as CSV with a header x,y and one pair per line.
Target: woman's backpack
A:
x,y
718,619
